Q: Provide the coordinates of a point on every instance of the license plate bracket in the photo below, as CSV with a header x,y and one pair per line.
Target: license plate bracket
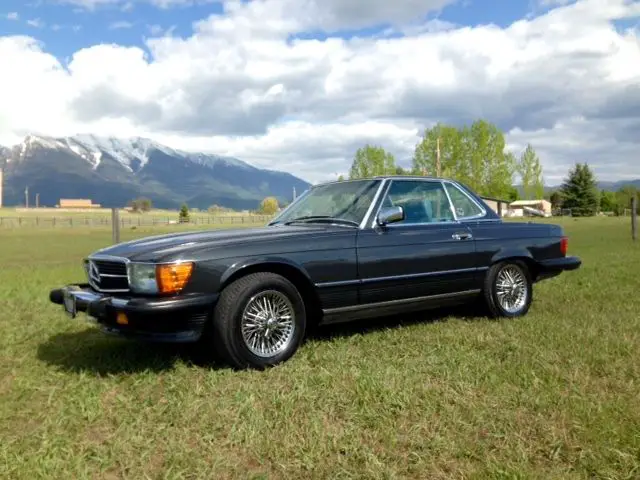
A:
x,y
69,303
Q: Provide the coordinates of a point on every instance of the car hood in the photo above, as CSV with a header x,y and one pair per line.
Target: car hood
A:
x,y
158,246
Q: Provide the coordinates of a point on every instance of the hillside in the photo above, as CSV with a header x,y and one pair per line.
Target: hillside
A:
x,y
114,171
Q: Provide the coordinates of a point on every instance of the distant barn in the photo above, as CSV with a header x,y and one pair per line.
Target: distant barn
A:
x,y
498,205
77,203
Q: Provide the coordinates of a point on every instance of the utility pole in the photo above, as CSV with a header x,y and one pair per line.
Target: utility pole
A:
x,y
294,193
634,217
438,157
26,197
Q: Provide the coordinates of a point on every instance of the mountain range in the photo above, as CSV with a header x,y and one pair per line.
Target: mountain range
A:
x,y
112,172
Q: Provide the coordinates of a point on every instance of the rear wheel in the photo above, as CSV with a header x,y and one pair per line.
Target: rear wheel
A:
x,y
508,289
259,321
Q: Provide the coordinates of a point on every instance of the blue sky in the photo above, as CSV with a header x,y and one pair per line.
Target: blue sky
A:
x,y
66,28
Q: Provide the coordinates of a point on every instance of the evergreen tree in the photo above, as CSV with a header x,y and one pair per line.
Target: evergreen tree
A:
x,y
580,191
183,216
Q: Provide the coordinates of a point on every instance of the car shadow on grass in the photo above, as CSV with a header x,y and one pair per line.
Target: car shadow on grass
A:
x,y
91,351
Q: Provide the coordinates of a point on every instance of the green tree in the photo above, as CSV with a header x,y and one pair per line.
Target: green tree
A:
x,y
425,157
371,161
556,199
269,206
624,196
530,171
474,155
140,205
183,215
609,202
491,168
580,191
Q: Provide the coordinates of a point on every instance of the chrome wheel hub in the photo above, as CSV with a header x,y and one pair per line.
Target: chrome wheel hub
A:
x,y
268,323
511,289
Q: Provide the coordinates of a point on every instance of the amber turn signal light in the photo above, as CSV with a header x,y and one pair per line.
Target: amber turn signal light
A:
x,y
173,277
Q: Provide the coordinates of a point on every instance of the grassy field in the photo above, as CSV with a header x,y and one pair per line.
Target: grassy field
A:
x,y
441,395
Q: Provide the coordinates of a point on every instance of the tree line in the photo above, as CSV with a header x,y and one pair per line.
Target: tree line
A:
x,y
475,155
581,195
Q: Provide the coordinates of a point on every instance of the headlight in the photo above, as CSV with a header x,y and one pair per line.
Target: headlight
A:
x,y
142,278
165,278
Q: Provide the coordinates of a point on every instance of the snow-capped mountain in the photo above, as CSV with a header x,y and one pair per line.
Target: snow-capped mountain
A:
x,y
113,171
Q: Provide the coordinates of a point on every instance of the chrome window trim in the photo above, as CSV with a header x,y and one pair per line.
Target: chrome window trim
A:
x,y
376,198
456,220
473,200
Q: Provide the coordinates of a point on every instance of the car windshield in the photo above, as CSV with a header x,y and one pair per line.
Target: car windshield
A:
x,y
343,202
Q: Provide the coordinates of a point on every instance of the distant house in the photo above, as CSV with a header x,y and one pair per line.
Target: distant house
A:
x,y
521,208
77,203
497,205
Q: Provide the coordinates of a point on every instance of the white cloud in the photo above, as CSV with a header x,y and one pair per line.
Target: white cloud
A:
x,y
120,25
12,16
35,22
566,81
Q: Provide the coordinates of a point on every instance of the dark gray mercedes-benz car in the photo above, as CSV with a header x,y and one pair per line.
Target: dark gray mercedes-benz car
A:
x,y
341,251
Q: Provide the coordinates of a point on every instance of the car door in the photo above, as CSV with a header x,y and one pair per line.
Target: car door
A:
x,y
427,253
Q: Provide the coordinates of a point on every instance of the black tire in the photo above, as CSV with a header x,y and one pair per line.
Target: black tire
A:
x,y
226,323
495,307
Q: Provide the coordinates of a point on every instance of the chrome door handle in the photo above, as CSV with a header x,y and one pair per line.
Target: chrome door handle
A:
x,y
461,236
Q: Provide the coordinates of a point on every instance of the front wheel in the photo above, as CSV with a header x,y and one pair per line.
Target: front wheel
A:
x,y
259,321
508,289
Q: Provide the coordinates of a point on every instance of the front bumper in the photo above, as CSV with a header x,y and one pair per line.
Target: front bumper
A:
x,y
173,319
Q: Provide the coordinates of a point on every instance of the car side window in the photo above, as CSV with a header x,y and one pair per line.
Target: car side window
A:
x,y
422,201
462,204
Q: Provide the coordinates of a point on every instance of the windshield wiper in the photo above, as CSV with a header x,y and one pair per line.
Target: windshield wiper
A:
x,y
321,219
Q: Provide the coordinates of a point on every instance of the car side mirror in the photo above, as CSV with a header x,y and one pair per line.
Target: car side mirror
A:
x,y
390,215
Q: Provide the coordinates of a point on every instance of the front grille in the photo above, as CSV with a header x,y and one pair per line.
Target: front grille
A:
x,y
108,275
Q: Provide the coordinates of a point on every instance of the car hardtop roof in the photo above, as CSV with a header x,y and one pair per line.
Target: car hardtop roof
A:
x,y
386,177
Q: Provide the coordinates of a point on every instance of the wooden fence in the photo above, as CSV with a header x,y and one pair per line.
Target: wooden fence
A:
x,y
128,221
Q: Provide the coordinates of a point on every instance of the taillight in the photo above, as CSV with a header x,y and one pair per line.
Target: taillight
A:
x,y
564,246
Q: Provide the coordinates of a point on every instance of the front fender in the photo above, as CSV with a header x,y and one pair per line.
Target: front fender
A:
x,y
267,262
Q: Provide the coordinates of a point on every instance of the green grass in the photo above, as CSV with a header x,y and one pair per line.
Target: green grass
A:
x,y
553,395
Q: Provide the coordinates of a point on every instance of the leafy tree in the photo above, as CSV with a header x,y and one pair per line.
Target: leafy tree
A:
x,y
183,216
624,196
425,156
140,205
217,209
608,202
530,171
556,199
269,206
370,161
580,191
491,168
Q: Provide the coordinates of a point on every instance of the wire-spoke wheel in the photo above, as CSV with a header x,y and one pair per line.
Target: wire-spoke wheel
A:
x,y
508,289
259,321
268,323
511,288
